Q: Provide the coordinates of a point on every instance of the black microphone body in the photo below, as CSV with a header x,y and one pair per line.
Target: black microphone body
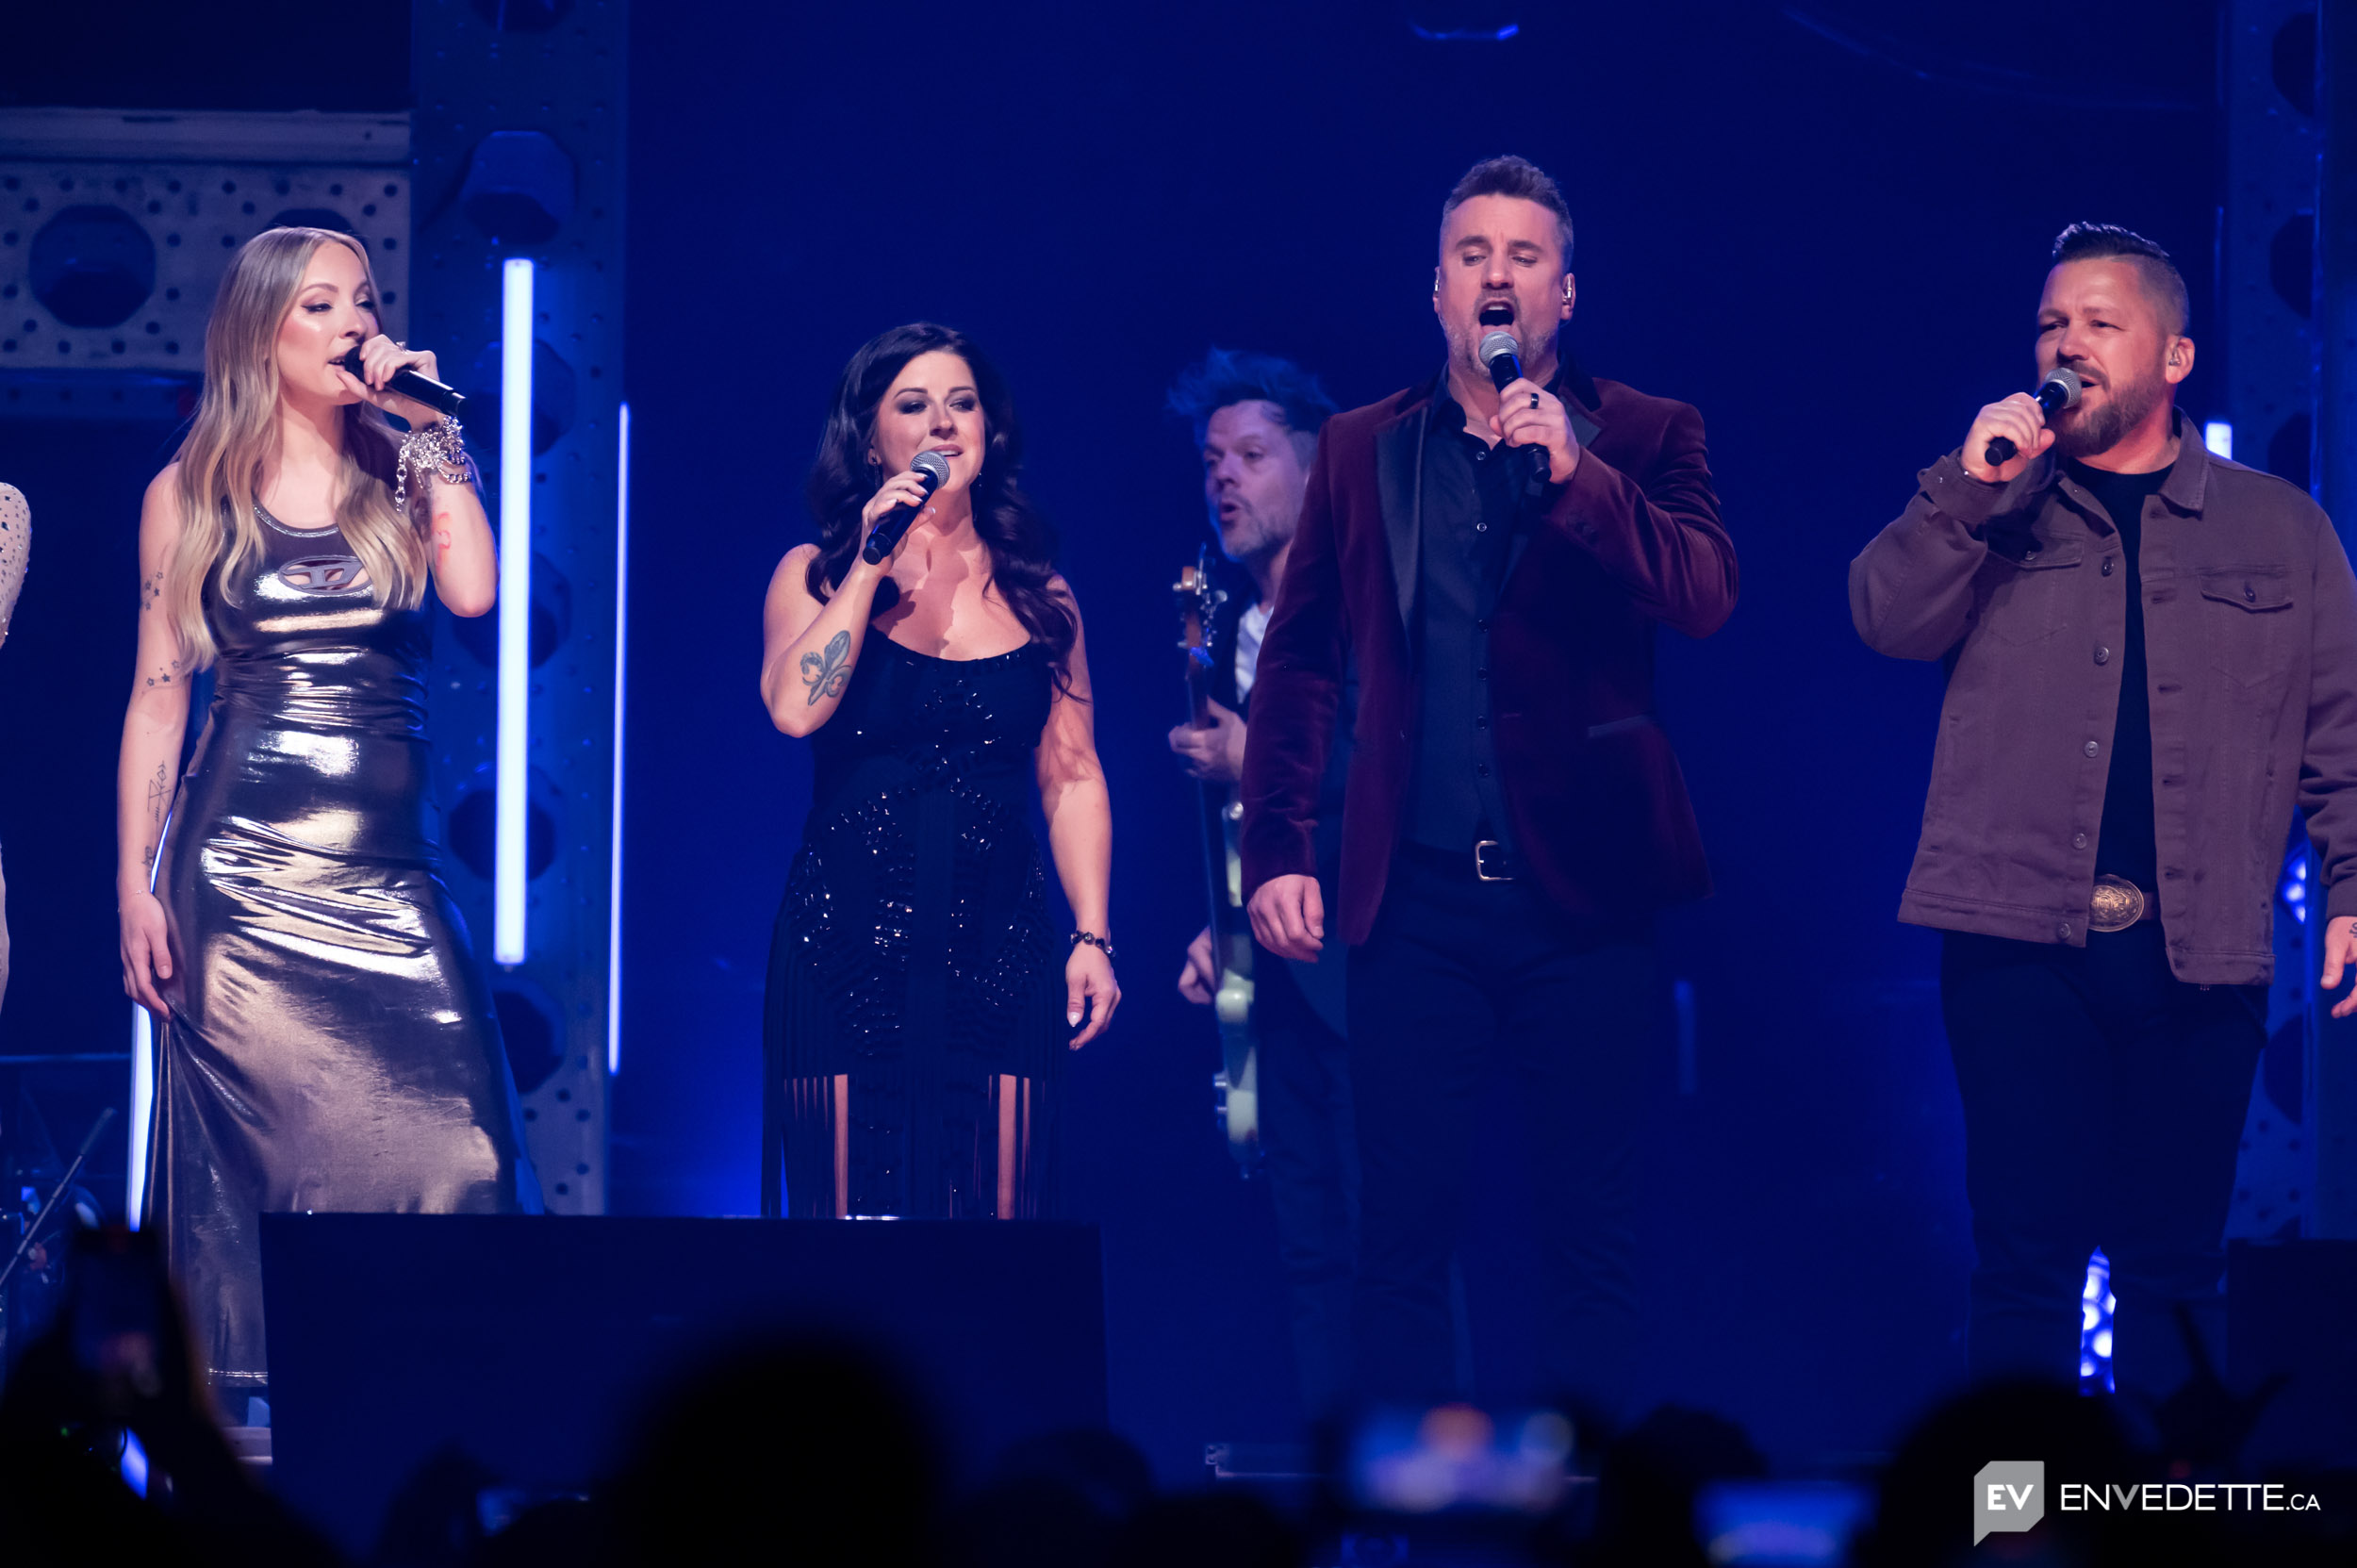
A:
x,y
409,383
2056,392
932,469
1503,355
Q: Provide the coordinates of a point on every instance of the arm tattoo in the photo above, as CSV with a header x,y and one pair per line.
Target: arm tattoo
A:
x,y
151,590
827,673
158,793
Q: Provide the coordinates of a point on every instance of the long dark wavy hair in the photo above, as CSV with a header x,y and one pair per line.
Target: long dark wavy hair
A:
x,y
1022,542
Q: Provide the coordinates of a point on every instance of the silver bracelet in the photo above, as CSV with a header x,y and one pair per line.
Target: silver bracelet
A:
x,y
437,451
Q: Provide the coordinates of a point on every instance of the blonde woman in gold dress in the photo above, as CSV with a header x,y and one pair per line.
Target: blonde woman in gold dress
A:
x,y
326,1039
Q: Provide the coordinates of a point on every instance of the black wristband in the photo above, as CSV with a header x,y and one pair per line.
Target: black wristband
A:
x,y
1095,941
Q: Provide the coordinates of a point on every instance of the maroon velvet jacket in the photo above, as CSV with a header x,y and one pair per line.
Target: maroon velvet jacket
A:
x,y
1632,541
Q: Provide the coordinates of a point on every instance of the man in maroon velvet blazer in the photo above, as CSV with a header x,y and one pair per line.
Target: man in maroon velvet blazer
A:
x,y
1497,560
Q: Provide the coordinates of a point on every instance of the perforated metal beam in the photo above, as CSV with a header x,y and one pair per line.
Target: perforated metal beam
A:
x,y
115,228
519,133
2265,243
2332,1066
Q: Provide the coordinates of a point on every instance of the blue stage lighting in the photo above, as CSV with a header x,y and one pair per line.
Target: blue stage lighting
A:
x,y
143,1098
2095,1306
508,878
2293,889
621,689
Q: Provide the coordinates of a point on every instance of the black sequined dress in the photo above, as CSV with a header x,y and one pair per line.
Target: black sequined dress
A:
x,y
914,1030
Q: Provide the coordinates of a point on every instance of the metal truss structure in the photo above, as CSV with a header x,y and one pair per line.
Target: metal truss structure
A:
x,y
517,282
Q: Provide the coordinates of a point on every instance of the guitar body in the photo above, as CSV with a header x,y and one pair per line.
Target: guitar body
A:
x,y
1237,1083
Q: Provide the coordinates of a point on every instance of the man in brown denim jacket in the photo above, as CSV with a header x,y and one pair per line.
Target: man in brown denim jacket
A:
x,y
2152,659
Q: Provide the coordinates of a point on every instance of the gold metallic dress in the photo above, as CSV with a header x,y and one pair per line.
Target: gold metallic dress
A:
x,y
332,1044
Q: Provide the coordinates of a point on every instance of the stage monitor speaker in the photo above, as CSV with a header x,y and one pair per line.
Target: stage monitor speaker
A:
x,y
2289,1307
529,1344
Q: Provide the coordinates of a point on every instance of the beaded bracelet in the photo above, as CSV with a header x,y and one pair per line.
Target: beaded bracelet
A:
x,y
1095,941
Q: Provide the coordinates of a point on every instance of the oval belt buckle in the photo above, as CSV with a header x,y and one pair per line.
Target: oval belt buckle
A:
x,y
2116,904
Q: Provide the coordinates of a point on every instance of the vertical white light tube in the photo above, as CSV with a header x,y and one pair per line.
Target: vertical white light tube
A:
x,y
143,1097
2218,436
622,698
515,726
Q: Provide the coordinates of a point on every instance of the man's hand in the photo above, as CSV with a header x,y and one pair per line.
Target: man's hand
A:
x,y
2018,419
1199,980
1289,918
1214,755
1529,415
2340,955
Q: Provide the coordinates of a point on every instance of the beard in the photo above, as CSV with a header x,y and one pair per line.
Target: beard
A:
x,y
2097,430
1463,339
1250,534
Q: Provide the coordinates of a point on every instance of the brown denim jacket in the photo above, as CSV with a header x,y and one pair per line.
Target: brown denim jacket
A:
x,y
2250,648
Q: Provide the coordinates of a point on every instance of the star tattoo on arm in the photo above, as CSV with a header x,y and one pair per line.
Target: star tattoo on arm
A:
x,y
826,674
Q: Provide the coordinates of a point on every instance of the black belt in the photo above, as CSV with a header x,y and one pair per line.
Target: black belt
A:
x,y
1488,860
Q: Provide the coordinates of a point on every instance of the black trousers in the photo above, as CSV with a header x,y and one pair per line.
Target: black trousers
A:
x,y
1311,1150
1458,973
2103,1104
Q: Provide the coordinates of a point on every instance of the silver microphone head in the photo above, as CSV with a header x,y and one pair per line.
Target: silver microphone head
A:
x,y
1496,345
2067,379
935,468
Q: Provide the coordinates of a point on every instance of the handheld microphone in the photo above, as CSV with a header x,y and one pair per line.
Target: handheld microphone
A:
x,y
2056,392
933,471
1503,358
409,383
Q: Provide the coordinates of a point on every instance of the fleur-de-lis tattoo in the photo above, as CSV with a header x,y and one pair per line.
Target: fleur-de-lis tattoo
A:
x,y
828,674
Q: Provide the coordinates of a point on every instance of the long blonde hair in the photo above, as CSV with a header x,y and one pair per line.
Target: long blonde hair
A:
x,y
235,438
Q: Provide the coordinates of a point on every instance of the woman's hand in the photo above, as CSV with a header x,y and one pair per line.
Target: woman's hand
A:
x,y
146,953
901,489
1088,976
380,356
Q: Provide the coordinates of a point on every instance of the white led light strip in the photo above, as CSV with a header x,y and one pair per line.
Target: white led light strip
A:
x,y
622,692
515,662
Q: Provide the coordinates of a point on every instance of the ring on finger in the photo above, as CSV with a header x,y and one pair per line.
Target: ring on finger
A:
x,y
1534,400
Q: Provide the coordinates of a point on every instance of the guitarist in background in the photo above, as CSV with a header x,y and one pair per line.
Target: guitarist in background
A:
x,y
1256,419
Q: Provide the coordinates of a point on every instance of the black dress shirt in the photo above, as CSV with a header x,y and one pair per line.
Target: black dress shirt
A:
x,y
1476,497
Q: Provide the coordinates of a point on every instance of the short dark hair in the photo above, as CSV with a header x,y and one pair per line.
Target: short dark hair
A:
x,y
1228,376
2162,280
1510,175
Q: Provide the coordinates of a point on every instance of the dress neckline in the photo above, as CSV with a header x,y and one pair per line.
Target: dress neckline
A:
x,y
1019,649
262,514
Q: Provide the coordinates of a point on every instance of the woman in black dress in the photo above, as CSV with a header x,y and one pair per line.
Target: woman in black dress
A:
x,y
919,1000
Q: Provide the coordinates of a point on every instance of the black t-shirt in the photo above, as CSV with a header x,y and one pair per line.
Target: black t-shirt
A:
x,y
2125,846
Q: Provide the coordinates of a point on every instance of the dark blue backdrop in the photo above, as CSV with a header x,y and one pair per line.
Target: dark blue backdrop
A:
x,y
1833,251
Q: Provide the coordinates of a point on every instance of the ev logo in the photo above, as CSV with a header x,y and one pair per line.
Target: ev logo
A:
x,y
2008,1495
